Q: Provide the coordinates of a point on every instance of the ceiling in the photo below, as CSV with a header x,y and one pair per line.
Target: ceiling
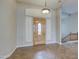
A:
x,y
67,7
36,13
50,4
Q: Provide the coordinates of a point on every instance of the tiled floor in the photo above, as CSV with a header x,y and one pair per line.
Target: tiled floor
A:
x,y
51,51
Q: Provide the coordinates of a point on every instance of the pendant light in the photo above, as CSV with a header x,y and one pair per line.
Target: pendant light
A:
x,y
45,10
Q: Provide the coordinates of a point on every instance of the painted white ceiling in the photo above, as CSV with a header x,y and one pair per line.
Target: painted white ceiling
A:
x,y
36,13
50,3
68,6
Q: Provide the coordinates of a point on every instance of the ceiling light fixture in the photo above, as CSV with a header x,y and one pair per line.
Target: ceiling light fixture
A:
x,y
45,10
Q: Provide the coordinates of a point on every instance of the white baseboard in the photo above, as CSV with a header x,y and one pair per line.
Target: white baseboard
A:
x,y
8,55
60,43
24,45
31,44
51,42
4,57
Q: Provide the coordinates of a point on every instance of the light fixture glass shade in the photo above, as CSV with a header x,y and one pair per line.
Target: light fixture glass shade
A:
x,y
45,10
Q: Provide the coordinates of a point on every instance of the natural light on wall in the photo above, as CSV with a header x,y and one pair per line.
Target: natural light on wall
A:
x,y
39,28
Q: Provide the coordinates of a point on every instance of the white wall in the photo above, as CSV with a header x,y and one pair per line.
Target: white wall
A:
x,y
58,25
24,31
51,29
24,28
7,27
69,24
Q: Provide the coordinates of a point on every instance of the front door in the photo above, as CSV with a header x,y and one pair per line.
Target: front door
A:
x,y
39,31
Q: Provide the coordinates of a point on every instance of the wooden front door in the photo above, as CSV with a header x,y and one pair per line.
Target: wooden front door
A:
x,y
39,31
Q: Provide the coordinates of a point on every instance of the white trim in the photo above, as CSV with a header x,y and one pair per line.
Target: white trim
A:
x,y
4,57
18,46
50,42
60,43
8,55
